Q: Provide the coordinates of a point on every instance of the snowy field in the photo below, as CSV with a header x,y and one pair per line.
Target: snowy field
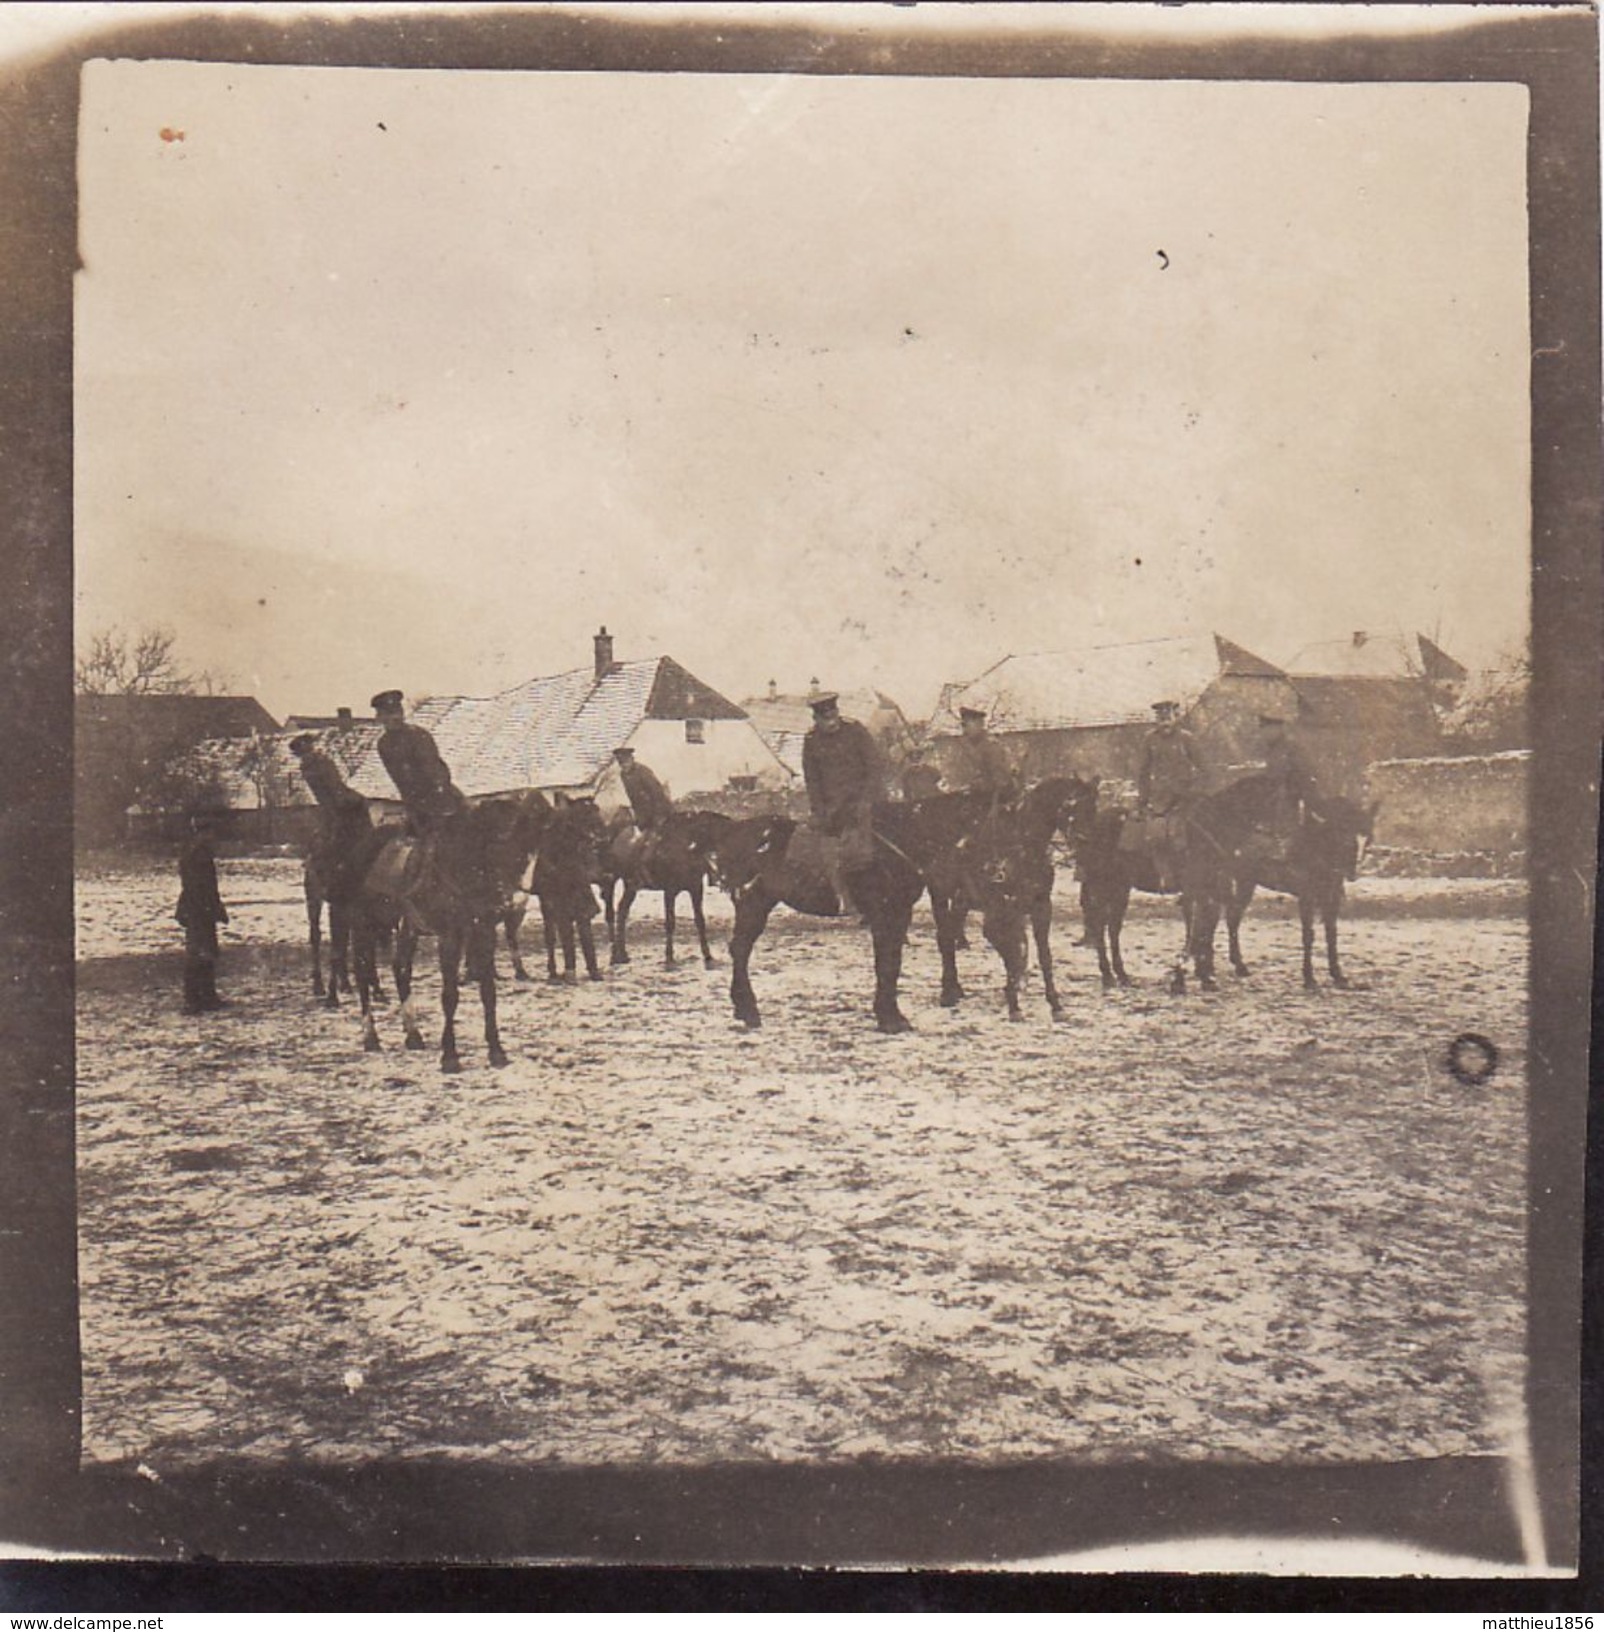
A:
x,y
1258,1224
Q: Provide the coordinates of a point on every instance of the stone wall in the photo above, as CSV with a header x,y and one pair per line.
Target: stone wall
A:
x,y
1473,806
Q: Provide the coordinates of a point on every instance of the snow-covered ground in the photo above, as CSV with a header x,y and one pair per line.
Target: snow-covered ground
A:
x,y
1255,1224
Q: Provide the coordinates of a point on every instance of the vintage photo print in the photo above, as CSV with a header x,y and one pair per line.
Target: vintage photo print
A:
x,y
832,785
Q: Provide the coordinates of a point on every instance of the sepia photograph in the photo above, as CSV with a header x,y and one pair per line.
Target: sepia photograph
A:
x,y
832,786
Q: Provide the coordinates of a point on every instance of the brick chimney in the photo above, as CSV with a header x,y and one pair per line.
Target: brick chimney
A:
x,y
774,691
604,653
344,719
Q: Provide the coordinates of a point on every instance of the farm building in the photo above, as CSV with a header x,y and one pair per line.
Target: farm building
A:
x,y
784,718
251,785
122,745
1368,698
1087,712
558,733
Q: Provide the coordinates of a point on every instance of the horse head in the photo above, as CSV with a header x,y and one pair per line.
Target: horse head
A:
x,y
1344,830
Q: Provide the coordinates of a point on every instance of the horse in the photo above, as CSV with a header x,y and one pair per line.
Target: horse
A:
x,y
454,882
316,891
673,859
753,862
1230,853
1110,869
975,851
564,867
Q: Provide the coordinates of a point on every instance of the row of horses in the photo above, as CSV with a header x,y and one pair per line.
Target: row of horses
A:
x,y
967,851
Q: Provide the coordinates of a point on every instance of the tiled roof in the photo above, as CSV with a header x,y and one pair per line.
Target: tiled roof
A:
x,y
238,769
1097,685
791,715
558,731
1377,657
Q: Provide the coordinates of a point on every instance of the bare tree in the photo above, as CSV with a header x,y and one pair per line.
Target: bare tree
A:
x,y
142,664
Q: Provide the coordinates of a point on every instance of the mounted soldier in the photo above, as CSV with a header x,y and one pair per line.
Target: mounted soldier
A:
x,y
1291,770
845,775
346,828
420,774
648,798
1167,782
436,808
979,763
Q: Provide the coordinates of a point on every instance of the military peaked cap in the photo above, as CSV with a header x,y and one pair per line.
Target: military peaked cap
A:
x,y
824,703
299,745
386,702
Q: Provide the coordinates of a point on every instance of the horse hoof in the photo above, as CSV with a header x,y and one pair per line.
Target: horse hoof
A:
x,y
372,1045
1017,1017
331,1002
520,974
498,1058
949,1000
710,963
1342,983
671,963
1109,983
450,1064
1209,984
894,1025
414,1041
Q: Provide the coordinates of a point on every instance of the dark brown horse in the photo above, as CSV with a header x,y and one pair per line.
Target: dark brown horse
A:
x,y
997,857
318,896
754,862
565,865
455,883
1111,867
1236,844
674,859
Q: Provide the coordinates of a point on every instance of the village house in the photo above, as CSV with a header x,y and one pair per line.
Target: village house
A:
x,y
1367,698
124,744
557,734
783,719
1087,712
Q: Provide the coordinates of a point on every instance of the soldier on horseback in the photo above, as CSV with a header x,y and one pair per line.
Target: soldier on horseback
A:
x,y
437,811
345,840
979,762
648,798
1166,784
844,774
1297,786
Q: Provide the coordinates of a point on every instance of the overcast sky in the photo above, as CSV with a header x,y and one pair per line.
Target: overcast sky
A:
x,y
413,379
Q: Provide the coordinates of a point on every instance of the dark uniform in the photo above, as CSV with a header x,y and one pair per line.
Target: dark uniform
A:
x,y
434,802
200,910
842,769
920,780
1171,768
421,776
980,764
647,796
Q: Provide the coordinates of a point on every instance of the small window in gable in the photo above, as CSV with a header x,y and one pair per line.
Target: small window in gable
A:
x,y
696,731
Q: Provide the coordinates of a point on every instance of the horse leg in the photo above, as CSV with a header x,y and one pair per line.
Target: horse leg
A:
x,y
620,947
751,914
1236,908
1306,916
484,932
548,927
509,925
695,893
1329,909
1006,933
952,992
608,886
403,953
1202,917
314,935
1041,923
451,949
364,950
669,898
1118,907
587,945
889,927
339,951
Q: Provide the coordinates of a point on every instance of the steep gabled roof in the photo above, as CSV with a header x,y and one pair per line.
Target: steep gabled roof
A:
x,y
1385,656
558,731
1098,685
